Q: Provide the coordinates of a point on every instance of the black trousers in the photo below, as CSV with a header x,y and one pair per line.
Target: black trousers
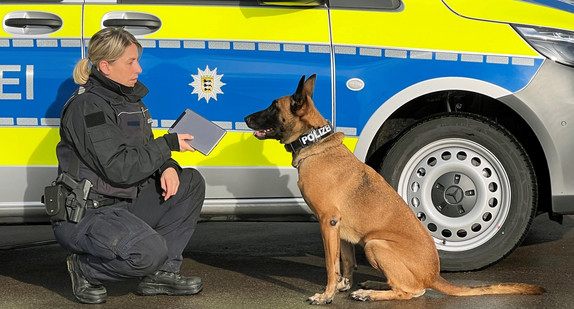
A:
x,y
133,239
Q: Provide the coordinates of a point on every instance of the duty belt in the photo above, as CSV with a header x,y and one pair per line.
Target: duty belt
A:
x,y
98,200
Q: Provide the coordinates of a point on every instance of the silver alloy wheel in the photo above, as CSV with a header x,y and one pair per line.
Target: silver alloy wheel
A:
x,y
459,190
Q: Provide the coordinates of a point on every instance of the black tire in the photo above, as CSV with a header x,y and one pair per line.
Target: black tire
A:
x,y
471,184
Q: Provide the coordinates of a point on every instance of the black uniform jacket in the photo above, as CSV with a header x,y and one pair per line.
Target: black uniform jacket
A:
x,y
110,129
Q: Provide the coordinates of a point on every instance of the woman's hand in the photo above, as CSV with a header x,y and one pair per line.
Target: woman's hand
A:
x,y
169,182
183,145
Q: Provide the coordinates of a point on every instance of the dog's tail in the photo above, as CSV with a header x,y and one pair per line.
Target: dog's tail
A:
x,y
443,286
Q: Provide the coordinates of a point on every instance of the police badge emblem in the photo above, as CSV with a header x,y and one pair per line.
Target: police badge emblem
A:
x,y
207,84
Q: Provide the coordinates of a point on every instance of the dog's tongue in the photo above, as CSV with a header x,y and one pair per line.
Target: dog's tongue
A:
x,y
259,134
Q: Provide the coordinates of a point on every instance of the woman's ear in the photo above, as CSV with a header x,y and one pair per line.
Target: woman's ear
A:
x,y
104,67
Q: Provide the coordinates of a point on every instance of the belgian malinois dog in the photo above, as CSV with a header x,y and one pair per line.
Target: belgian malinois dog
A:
x,y
355,205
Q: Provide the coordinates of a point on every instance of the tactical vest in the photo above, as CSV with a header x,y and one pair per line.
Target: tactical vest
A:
x,y
130,118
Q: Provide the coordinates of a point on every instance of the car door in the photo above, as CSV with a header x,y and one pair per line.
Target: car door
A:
x,y
39,46
225,60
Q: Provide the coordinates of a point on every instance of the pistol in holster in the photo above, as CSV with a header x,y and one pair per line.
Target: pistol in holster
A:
x,y
66,199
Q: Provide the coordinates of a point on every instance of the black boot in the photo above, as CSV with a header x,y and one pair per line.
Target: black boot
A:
x,y
163,282
84,291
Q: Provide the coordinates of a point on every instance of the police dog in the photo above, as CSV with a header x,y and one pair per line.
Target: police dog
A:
x,y
355,205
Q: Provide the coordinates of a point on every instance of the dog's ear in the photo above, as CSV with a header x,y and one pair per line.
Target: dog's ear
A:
x,y
310,85
299,98
305,87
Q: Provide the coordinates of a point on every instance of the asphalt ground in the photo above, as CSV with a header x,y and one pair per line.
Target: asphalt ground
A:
x,y
279,265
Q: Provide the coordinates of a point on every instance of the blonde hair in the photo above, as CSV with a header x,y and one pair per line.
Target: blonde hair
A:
x,y
108,44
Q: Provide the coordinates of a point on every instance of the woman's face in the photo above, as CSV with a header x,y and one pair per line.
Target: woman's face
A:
x,y
125,69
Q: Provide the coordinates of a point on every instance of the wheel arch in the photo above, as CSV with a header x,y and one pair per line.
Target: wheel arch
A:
x,y
454,94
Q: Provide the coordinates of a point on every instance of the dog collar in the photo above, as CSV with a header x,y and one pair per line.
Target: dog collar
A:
x,y
310,137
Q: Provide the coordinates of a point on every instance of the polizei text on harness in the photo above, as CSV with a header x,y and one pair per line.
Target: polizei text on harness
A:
x,y
315,135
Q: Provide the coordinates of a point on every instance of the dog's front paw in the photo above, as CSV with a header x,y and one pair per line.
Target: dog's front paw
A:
x,y
344,285
362,295
320,299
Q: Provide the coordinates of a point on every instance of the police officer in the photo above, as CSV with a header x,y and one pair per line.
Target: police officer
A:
x,y
142,207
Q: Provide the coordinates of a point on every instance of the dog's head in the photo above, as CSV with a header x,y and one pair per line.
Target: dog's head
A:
x,y
288,117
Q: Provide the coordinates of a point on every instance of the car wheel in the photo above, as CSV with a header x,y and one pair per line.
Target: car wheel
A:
x,y
470,183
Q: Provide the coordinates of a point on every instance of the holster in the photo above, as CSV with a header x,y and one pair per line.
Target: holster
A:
x,y
67,199
55,200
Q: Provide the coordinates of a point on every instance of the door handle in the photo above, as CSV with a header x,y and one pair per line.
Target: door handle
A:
x,y
53,23
135,22
143,23
32,23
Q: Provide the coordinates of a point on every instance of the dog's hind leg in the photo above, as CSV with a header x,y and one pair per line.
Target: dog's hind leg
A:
x,y
401,279
348,265
374,285
372,295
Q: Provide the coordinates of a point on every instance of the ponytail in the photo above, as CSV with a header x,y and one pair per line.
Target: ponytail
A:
x,y
82,71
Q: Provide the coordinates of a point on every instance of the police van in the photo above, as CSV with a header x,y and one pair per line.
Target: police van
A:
x,y
465,107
